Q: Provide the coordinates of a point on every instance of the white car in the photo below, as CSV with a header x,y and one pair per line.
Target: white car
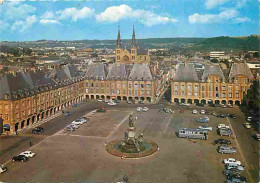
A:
x,y
74,126
145,109
28,154
231,166
231,161
77,122
249,118
106,101
111,103
84,120
206,128
223,126
139,109
99,100
194,111
202,112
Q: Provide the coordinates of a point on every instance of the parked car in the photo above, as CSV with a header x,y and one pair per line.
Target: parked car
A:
x,y
224,149
77,122
75,105
117,101
67,113
232,171
37,130
145,109
194,111
231,161
167,110
99,100
111,103
223,126
221,116
233,178
74,126
256,136
204,127
223,106
203,120
141,102
232,165
200,104
247,125
232,116
129,102
139,109
106,100
83,119
208,113
225,132
222,141
249,118
3,169
230,106
202,111
213,113
69,129
21,158
28,154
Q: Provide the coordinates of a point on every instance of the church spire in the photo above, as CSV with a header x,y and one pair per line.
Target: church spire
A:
x,y
118,41
133,37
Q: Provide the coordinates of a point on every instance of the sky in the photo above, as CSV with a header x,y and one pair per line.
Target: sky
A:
x,y
99,19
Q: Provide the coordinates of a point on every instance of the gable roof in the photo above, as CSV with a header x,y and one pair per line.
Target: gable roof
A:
x,y
186,73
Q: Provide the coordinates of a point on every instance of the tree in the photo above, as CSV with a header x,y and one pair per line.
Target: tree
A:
x,y
27,51
256,54
214,60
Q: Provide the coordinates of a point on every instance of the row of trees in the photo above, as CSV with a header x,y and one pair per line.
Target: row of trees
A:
x,y
15,51
253,94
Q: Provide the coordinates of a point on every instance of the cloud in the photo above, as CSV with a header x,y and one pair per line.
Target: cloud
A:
x,y
148,18
15,10
48,15
49,21
222,17
3,25
241,20
213,3
75,14
22,26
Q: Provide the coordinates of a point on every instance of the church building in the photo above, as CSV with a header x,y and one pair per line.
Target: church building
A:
x,y
132,54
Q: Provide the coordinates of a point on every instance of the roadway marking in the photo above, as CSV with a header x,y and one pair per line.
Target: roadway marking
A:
x,y
238,146
167,124
121,122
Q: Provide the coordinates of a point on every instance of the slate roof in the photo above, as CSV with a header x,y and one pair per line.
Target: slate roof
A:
x,y
141,51
141,72
65,73
240,69
118,71
212,70
96,70
186,73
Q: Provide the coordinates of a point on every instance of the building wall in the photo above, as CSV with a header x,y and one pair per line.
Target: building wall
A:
x,y
124,56
214,89
120,89
41,105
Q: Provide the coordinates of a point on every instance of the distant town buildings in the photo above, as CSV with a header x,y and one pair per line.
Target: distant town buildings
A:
x,y
217,54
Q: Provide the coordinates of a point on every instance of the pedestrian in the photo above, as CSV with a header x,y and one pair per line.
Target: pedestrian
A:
x,y
16,132
31,144
136,118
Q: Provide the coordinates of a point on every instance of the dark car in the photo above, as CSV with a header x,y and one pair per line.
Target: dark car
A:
x,y
231,176
232,171
21,158
75,105
221,116
141,102
222,141
232,116
200,104
67,113
118,101
37,129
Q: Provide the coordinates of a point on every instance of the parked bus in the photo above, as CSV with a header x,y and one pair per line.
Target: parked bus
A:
x,y
193,133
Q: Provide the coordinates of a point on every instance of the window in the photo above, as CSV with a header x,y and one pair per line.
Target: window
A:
x,y
86,84
129,85
96,84
136,85
148,85
182,93
92,84
118,91
189,87
130,92
223,95
230,95
112,91
244,80
196,93
189,93
148,92
216,88
224,88
6,116
196,87
142,85
6,106
203,88
237,95
176,87
123,91
102,84
136,92
182,87
175,93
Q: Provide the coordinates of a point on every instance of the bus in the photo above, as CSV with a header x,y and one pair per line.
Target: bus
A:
x,y
193,133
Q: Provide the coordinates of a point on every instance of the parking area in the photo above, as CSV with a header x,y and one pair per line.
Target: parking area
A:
x,y
80,156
